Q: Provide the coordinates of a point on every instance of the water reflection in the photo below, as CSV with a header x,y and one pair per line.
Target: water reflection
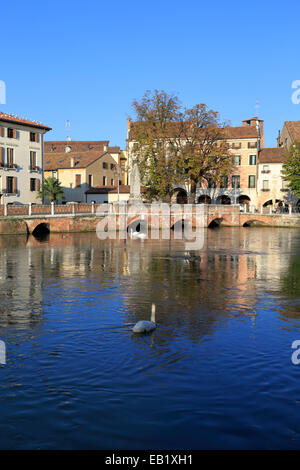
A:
x,y
206,376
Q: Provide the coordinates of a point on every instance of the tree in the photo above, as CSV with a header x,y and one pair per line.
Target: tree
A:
x,y
51,189
200,148
154,113
291,169
175,145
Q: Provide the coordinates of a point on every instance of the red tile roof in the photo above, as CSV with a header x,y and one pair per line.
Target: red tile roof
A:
x,y
294,129
123,188
272,155
25,122
59,146
54,161
239,132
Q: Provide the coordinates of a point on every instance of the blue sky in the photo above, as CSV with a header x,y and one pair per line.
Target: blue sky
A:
x,y
86,61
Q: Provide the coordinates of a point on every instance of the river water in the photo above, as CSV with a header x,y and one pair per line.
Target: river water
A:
x,y
216,373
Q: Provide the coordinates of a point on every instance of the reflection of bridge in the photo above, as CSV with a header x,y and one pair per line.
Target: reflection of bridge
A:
x,y
85,217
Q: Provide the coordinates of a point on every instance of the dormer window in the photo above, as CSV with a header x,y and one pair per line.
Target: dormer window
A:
x,y
68,148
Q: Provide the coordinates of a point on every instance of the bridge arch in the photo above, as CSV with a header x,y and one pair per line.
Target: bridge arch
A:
x,y
204,199
179,196
224,199
41,230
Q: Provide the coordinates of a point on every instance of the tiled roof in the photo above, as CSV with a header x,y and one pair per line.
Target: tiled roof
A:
x,y
294,129
114,149
59,146
272,155
54,161
25,122
240,132
123,188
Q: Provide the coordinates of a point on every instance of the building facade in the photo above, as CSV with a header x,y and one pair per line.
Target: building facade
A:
x,y
80,166
21,159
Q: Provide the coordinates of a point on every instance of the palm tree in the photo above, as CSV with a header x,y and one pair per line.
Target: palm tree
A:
x,y
51,189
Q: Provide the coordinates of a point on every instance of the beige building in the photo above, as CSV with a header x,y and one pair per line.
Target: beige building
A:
x,y
80,166
21,159
241,187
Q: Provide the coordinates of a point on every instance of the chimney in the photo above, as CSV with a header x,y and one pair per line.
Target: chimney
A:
x,y
278,139
72,162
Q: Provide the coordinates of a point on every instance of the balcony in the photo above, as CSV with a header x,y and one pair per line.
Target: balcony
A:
x,y
265,189
285,190
9,191
10,166
34,169
266,171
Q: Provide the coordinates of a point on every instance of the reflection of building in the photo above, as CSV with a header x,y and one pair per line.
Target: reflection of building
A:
x,y
81,165
21,159
21,297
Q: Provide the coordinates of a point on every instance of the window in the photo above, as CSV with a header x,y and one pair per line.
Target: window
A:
x,y
224,182
251,181
236,181
33,137
10,158
54,174
90,180
252,159
285,185
33,160
2,153
112,166
236,145
111,182
104,180
211,183
252,145
266,185
236,160
11,184
34,182
266,169
104,165
77,180
11,133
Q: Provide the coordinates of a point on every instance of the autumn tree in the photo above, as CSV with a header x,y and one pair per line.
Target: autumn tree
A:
x,y
200,148
291,169
176,145
154,113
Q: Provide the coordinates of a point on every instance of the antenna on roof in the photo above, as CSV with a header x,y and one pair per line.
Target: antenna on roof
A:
x,y
68,124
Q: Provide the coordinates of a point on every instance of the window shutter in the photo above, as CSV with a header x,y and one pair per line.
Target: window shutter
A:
x,y
37,184
1,156
14,133
14,184
37,137
1,131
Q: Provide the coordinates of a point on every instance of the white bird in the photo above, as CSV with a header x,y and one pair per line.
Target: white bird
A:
x,y
145,326
142,235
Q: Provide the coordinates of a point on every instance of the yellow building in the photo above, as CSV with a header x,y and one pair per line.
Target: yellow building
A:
x,y
78,171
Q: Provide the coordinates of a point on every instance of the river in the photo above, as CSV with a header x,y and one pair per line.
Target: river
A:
x,y
215,374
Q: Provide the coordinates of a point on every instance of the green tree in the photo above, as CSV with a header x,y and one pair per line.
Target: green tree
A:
x,y
51,189
291,169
